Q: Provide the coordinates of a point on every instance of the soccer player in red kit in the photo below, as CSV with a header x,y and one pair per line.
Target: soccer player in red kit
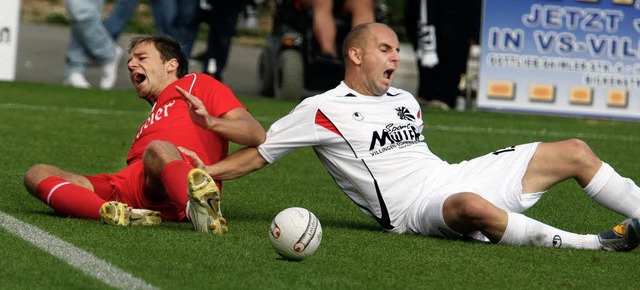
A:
x,y
158,182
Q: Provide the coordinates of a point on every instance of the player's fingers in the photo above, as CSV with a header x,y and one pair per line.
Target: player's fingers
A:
x,y
195,160
189,98
187,152
182,91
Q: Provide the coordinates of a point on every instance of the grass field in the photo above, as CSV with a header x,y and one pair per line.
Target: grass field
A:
x,y
90,131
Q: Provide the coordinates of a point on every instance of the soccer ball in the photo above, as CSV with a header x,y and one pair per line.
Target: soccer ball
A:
x,y
295,233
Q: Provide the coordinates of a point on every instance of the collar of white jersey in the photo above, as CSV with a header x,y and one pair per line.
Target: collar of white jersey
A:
x,y
391,92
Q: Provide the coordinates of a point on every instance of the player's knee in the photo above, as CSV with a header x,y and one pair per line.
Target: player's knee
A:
x,y
473,208
467,211
158,148
159,152
34,175
581,153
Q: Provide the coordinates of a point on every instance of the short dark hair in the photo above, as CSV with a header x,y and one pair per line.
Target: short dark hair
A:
x,y
168,49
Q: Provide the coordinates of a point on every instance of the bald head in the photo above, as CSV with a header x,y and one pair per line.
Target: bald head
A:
x,y
355,38
358,35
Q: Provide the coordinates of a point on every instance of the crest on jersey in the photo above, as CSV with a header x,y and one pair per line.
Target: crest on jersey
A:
x,y
357,116
404,114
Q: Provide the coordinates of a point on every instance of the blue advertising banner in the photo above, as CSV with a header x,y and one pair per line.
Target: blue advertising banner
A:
x,y
564,57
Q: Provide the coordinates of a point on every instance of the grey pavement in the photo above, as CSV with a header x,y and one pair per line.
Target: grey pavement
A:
x,y
41,53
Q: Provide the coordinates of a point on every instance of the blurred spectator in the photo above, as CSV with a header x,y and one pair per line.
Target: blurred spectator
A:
x,y
90,42
221,16
184,25
176,18
119,17
250,14
441,33
324,26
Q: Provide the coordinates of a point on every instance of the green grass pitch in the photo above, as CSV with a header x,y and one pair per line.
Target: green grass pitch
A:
x,y
90,131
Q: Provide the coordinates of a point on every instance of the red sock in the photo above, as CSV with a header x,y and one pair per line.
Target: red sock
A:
x,y
174,180
69,199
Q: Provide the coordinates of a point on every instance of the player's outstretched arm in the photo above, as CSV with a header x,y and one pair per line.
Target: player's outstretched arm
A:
x,y
238,164
237,125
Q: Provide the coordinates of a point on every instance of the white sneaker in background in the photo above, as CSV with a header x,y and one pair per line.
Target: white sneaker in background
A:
x,y
461,103
77,80
251,22
437,104
212,66
110,71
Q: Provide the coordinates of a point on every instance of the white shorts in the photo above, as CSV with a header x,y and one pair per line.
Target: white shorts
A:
x,y
497,177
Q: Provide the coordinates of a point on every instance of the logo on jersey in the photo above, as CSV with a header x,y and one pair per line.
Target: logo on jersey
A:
x,y
156,115
404,114
394,136
357,116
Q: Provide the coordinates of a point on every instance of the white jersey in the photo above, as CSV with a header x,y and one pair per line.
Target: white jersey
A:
x,y
372,146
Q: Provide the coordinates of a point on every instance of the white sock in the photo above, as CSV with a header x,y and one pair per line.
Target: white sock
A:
x,y
524,231
614,192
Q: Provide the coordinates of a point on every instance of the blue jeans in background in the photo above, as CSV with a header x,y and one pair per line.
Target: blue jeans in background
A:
x,y
90,41
176,18
119,17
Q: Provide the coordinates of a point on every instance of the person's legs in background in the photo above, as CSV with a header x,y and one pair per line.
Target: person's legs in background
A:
x,y
164,11
250,13
222,20
177,19
361,11
324,26
76,62
454,31
119,17
185,24
455,26
89,33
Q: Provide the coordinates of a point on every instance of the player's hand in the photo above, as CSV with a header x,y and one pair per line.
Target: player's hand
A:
x,y
197,110
195,160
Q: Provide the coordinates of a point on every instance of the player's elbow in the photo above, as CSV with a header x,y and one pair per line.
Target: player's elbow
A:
x,y
257,137
254,161
259,163
260,138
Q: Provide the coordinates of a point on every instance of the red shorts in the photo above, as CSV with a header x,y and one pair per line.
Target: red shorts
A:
x,y
129,186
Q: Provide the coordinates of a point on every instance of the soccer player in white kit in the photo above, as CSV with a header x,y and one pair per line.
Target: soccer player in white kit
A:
x,y
368,135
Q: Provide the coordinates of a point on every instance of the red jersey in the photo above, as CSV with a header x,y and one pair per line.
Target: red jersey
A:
x,y
170,120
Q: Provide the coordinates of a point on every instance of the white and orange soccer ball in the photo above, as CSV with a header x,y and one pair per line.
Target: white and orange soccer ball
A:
x,y
295,233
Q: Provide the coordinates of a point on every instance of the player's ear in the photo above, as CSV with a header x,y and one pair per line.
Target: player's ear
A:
x,y
355,55
172,65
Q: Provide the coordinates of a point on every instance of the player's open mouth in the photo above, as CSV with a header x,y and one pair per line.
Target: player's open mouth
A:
x,y
388,73
138,78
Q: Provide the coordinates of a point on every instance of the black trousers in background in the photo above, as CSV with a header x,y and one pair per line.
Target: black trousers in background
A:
x,y
222,20
457,25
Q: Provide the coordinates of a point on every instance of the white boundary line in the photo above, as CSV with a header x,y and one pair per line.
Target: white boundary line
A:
x,y
532,133
88,111
445,128
78,258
